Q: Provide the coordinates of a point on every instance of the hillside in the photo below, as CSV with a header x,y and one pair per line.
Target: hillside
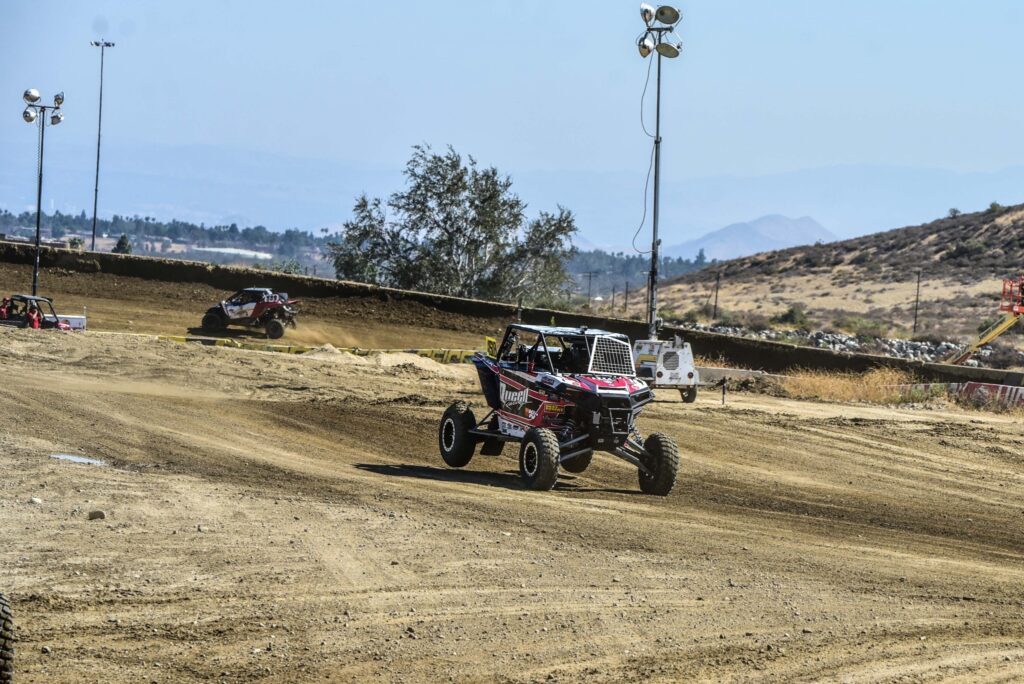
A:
x,y
760,235
966,247
871,281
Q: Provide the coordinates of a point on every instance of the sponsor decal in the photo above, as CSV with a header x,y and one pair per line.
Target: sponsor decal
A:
x,y
553,408
512,397
509,428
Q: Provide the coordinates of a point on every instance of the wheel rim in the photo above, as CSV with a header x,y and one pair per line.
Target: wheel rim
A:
x,y
530,459
448,434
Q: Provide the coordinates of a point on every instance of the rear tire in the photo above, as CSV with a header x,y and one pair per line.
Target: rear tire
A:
x,y
663,462
538,459
213,322
689,394
275,329
457,444
578,464
6,642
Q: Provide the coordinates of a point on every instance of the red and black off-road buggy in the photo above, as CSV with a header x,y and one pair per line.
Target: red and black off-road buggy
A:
x,y
562,393
253,307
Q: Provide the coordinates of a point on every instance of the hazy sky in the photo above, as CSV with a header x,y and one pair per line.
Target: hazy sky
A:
x,y
547,91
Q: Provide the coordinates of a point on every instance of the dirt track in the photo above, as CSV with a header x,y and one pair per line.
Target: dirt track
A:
x,y
150,306
287,519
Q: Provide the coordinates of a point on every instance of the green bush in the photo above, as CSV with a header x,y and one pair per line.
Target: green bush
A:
x,y
794,315
863,328
123,246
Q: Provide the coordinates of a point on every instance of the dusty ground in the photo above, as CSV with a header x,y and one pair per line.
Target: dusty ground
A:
x,y
288,519
115,303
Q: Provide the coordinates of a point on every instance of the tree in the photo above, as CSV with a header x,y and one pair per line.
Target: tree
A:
x,y
954,212
123,246
455,229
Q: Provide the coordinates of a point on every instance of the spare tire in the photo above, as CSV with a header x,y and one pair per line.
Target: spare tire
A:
x,y
6,642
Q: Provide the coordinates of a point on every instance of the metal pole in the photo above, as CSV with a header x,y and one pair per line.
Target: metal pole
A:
x,y
99,130
39,201
718,282
917,299
652,289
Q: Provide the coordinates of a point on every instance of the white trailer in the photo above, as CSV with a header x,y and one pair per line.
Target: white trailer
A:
x,y
667,365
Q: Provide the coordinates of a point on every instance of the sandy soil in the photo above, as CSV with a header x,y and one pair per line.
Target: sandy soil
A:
x,y
288,519
114,303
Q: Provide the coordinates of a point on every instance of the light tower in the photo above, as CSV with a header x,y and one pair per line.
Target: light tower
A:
x,y
661,24
37,112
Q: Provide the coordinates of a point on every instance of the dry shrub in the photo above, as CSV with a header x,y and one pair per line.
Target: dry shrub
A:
x,y
719,361
879,385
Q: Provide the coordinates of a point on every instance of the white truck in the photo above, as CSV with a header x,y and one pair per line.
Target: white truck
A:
x,y
667,365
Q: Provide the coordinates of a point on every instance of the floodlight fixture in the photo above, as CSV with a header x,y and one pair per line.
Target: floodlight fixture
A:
x,y
667,14
670,50
646,13
29,115
56,118
645,45
58,99
31,96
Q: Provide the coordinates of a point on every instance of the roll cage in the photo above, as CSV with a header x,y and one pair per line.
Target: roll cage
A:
x,y
565,351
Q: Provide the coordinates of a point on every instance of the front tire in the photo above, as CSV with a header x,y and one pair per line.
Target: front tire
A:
x,y
275,329
578,464
689,394
6,642
538,459
663,462
454,439
213,322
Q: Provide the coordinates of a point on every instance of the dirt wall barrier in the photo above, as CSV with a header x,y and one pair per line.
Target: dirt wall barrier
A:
x,y
773,357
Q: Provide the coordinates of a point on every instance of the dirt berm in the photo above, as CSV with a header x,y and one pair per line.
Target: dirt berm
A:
x,y
196,284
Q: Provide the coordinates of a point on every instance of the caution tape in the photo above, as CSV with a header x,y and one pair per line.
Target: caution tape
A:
x,y
439,355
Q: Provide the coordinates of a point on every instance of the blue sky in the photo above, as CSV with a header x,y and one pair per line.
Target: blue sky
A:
x,y
280,113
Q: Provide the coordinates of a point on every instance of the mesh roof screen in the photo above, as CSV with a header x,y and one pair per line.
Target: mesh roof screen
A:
x,y
611,357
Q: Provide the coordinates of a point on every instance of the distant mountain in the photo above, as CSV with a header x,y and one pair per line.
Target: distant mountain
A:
x,y
760,235
965,247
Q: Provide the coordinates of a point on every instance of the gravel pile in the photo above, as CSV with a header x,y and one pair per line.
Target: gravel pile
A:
x,y
841,342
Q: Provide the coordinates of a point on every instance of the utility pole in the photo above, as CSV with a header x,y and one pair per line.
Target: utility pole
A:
x,y
590,281
625,300
102,45
718,282
917,299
